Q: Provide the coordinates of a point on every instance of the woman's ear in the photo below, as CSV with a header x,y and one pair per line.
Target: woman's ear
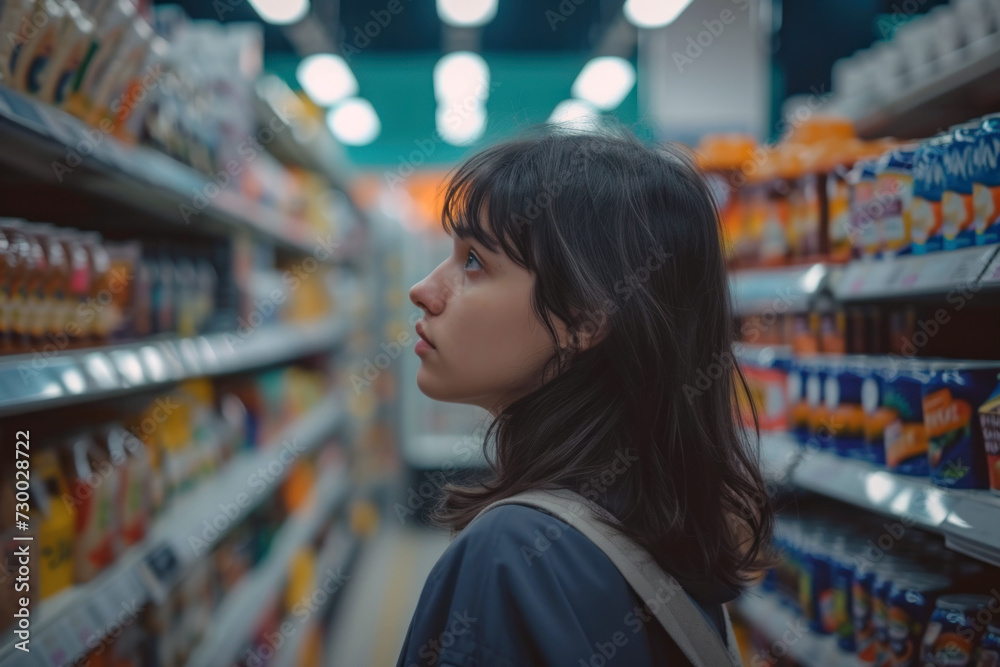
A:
x,y
587,331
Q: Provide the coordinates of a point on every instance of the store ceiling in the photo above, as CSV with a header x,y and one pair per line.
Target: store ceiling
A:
x,y
520,25
535,49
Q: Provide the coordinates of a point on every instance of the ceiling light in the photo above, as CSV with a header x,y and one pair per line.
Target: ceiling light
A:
x,y
461,125
575,115
354,122
605,82
461,76
467,13
326,78
281,12
654,13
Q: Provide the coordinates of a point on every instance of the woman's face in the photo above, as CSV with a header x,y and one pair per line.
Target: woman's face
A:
x,y
489,347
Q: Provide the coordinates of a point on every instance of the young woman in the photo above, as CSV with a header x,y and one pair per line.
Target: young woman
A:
x,y
586,307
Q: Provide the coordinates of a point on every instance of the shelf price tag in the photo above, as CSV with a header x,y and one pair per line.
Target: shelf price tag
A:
x,y
161,568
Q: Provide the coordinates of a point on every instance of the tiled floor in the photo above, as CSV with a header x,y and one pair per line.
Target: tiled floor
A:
x,y
380,597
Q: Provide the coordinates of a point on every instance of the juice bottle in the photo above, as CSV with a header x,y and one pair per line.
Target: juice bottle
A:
x,y
29,306
53,518
121,283
99,288
31,58
95,487
109,18
956,201
132,501
723,157
14,17
819,140
72,49
50,310
207,281
78,313
111,100
186,280
141,297
8,268
18,271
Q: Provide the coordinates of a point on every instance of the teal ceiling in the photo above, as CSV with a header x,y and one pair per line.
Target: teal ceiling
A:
x,y
524,90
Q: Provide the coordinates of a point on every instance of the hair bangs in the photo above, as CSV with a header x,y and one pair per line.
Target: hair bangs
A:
x,y
482,201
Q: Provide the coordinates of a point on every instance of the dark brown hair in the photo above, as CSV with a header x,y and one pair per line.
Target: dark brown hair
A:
x,y
623,239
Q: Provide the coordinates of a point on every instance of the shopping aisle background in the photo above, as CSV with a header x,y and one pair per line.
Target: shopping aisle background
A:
x,y
384,590
210,217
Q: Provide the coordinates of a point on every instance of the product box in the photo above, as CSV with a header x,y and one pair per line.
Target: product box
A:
x,y
928,188
984,170
989,421
951,399
906,435
956,200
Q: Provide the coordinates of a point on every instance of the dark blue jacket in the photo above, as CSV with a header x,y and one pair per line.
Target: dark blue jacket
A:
x,y
521,587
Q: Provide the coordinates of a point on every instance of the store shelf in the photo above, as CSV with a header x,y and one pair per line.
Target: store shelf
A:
x,y
237,617
36,137
777,290
967,519
785,634
935,274
779,456
938,98
33,382
341,555
64,626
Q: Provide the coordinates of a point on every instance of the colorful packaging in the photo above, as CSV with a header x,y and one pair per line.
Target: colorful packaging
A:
x,y
861,614
985,174
838,198
816,588
928,187
14,18
72,49
106,38
894,194
94,490
30,60
842,574
911,603
877,416
865,224
132,504
53,518
989,421
953,631
881,588
956,452
77,284
820,432
906,435
987,654
956,201
842,396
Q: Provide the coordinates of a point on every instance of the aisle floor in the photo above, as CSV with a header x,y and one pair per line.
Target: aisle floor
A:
x,y
379,600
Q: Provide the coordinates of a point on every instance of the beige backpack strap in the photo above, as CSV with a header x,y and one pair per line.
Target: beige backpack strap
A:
x,y
664,597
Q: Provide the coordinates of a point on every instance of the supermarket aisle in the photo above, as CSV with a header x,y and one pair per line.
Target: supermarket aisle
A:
x,y
371,622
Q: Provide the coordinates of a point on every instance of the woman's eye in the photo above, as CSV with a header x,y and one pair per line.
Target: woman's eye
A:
x,y
472,257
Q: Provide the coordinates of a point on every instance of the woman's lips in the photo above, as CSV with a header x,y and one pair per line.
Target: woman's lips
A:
x,y
424,343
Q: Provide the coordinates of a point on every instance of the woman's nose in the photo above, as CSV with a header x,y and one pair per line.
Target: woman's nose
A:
x,y
422,295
